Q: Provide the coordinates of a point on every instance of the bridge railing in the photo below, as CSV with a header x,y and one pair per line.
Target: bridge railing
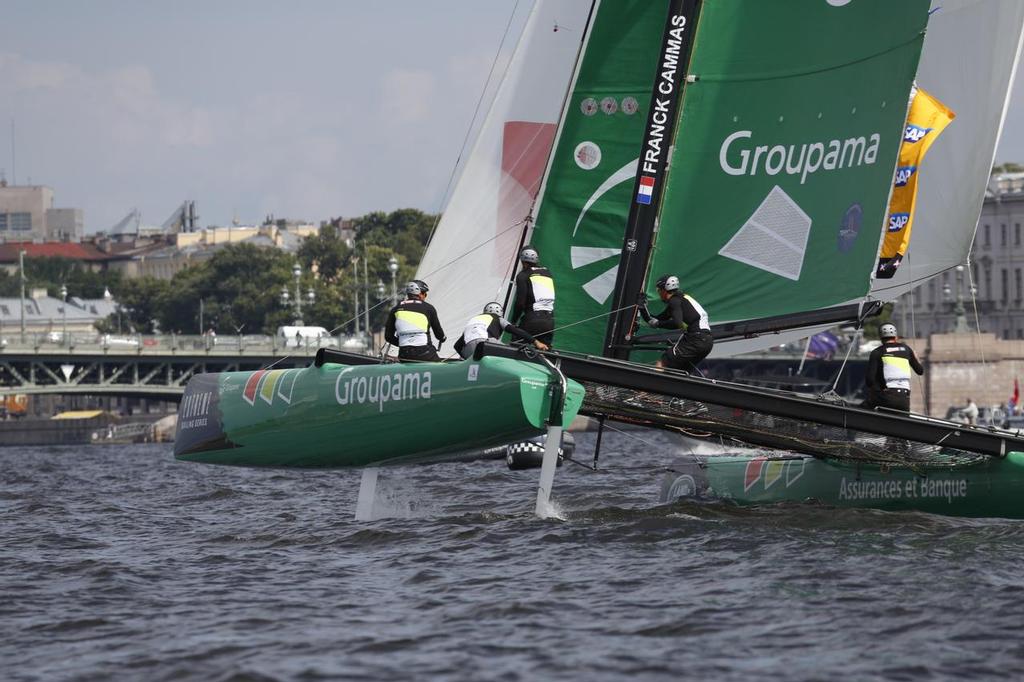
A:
x,y
56,343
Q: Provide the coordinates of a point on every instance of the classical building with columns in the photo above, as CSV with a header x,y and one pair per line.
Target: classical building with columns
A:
x,y
990,296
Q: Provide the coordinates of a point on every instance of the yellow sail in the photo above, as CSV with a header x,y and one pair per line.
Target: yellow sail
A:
x,y
927,118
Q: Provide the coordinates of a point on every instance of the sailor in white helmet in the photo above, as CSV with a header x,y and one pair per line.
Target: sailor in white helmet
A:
x,y
534,308
888,372
410,324
682,311
489,325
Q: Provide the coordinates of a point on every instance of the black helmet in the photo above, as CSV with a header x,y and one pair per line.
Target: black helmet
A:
x,y
668,283
529,255
423,285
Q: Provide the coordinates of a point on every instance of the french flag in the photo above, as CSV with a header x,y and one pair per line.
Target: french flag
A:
x,y
646,191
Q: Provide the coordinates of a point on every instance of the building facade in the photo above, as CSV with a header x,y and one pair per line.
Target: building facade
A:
x,y
987,295
27,215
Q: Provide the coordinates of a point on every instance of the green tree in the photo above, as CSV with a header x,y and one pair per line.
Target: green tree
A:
x,y
326,253
872,324
138,305
1008,167
239,287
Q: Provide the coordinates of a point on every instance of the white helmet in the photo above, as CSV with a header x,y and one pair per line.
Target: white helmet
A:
x,y
888,331
493,308
413,289
668,283
529,255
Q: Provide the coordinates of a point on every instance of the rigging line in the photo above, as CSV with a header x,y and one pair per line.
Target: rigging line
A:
x,y
918,380
508,276
588,319
974,304
334,329
630,435
856,335
478,246
472,123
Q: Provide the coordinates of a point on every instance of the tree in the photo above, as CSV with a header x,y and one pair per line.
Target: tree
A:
x,y
1008,167
239,285
138,304
326,253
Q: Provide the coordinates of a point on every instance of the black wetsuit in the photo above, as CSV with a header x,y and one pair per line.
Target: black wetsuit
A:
x,y
683,312
888,376
534,308
409,326
487,326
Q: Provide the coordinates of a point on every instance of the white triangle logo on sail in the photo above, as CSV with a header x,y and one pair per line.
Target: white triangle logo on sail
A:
x,y
601,287
774,238
585,255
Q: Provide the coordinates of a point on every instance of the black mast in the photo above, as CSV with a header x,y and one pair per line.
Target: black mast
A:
x,y
673,63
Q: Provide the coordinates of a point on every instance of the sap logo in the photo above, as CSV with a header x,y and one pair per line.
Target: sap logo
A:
x,y
915,133
897,221
903,175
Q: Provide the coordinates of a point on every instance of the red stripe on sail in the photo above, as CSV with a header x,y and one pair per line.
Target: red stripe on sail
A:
x,y
525,147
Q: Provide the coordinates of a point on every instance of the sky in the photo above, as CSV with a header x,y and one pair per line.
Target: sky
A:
x,y
304,110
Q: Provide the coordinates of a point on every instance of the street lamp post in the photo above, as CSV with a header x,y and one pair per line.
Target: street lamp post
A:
x,y
21,273
297,272
960,325
393,267
286,296
64,309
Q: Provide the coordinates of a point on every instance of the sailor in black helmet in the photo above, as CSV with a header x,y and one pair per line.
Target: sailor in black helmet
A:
x,y
410,324
534,308
681,312
490,325
888,372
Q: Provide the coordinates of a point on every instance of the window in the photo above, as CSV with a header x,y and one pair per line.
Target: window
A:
x,y
1016,234
1002,235
931,294
20,222
1005,281
988,284
3,222
1020,333
1006,333
1017,282
988,234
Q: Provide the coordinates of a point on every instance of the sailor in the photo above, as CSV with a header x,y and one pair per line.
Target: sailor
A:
x,y
888,372
534,309
410,324
681,312
490,325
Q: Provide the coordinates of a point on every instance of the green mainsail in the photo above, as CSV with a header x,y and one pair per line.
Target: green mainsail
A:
x,y
586,198
781,166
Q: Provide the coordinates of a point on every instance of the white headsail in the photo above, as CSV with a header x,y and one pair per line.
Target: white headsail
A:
x,y
969,60
469,260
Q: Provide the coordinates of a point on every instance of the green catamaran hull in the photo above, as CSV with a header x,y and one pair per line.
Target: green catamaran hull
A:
x,y
349,416
991,488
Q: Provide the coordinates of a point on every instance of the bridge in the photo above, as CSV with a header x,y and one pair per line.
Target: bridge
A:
x,y
159,367
156,367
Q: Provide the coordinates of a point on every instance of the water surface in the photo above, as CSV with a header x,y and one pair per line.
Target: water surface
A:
x,y
119,562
